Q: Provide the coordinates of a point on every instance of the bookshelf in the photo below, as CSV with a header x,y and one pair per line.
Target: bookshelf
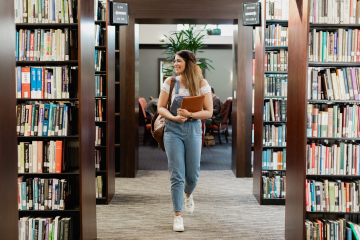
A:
x,y
297,211
69,151
106,75
266,147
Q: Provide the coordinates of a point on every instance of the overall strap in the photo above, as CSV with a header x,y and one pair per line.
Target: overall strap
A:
x,y
177,86
173,81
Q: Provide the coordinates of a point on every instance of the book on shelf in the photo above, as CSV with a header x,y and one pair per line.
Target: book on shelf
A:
x,y
45,11
42,194
274,160
99,86
42,45
276,35
99,186
99,36
98,136
99,110
99,58
332,159
275,110
334,12
333,121
99,10
275,85
45,228
97,159
274,186
43,119
41,157
322,228
42,82
274,136
332,196
276,60
277,9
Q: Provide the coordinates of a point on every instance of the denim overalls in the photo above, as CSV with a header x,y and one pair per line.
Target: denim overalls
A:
x,y
183,149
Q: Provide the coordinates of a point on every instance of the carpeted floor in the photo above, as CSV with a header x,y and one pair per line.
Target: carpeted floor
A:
x,y
216,157
224,209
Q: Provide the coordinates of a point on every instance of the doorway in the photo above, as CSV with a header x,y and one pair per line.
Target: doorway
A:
x,y
129,77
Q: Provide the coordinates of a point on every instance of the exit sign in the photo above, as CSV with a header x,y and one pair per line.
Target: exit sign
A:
x,y
119,13
251,14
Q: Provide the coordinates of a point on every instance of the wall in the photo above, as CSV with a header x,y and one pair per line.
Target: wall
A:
x,y
219,79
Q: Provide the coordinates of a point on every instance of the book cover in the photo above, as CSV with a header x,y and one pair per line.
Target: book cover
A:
x,y
58,158
25,82
46,119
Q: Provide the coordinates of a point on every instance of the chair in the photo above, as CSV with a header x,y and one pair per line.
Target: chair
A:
x,y
220,122
146,119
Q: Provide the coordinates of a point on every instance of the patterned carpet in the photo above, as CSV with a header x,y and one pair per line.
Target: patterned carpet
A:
x,y
224,209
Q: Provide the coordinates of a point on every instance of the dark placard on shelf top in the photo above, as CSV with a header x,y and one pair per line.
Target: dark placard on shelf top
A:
x,y
251,14
119,13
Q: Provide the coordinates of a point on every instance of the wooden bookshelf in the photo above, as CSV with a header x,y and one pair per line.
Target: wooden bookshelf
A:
x,y
78,147
295,210
107,72
120,171
260,100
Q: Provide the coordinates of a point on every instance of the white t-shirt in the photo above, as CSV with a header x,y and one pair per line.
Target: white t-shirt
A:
x,y
184,91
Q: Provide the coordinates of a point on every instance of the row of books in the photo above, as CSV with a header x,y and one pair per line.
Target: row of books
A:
x,y
275,86
41,45
276,35
97,159
41,157
327,229
333,83
332,159
45,11
332,196
98,186
275,110
274,135
276,60
57,228
274,187
42,194
334,46
99,86
42,82
334,12
274,160
99,110
100,10
99,36
336,121
99,57
98,136
277,9
42,119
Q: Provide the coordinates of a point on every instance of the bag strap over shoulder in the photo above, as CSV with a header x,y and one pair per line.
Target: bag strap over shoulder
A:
x,y
173,80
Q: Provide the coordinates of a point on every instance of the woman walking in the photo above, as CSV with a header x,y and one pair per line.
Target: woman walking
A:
x,y
182,132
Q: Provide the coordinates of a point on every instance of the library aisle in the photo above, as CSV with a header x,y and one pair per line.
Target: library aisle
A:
x,y
225,208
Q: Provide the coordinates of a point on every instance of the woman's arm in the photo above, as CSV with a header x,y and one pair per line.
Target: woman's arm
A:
x,y
161,107
207,108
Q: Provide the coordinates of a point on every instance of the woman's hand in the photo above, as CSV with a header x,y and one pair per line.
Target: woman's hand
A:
x,y
179,119
183,112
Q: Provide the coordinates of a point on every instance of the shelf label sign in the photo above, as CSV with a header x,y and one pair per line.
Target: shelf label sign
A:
x,y
251,14
119,13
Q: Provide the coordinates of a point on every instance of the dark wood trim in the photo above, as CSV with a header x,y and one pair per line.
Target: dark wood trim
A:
x,y
8,146
208,46
86,119
162,12
259,105
296,115
110,107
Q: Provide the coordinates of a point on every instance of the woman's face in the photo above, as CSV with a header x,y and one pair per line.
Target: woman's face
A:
x,y
179,64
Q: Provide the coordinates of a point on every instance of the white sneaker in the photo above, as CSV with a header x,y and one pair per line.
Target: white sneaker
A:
x,y
189,204
178,224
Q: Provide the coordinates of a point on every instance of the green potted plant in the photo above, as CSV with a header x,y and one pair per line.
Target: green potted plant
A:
x,y
216,31
190,39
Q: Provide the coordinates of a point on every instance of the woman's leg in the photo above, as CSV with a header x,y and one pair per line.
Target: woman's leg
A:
x,y
192,143
174,147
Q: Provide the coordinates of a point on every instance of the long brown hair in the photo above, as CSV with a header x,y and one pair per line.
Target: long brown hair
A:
x,y
190,72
